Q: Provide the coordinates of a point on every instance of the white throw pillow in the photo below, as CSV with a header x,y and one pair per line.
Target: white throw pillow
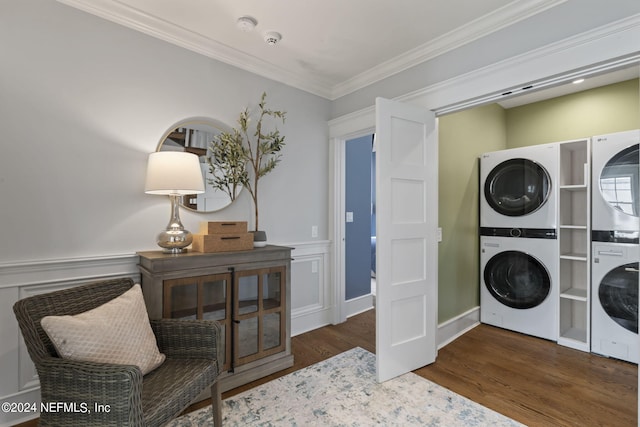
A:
x,y
115,332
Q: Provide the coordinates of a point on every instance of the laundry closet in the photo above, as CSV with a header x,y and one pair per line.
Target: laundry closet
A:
x,y
558,222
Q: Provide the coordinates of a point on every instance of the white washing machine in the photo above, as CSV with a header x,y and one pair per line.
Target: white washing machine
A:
x,y
614,300
518,187
518,281
615,188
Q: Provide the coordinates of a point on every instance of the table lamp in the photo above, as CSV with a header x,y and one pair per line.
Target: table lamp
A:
x,y
174,173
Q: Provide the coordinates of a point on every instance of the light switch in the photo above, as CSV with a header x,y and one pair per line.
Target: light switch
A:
x,y
349,216
314,231
439,234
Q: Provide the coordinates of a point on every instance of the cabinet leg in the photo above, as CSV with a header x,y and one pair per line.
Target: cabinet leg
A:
x,y
216,404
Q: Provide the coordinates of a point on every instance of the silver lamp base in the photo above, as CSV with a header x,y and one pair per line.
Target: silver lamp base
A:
x,y
174,239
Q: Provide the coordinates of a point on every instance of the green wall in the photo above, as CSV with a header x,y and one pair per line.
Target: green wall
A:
x,y
462,137
607,109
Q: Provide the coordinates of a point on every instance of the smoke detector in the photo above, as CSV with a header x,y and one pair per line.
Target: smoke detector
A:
x,y
246,23
272,38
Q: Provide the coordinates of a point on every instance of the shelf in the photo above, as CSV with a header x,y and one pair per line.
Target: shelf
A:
x,y
575,294
574,256
576,334
574,204
573,339
577,187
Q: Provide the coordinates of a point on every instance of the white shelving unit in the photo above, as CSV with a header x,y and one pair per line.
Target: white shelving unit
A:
x,y
574,207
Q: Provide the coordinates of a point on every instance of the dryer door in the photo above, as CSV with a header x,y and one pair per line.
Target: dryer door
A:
x,y
517,187
618,181
517,279
618,293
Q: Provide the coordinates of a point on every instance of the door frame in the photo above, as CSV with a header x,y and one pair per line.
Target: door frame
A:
x,y
592,52
337,206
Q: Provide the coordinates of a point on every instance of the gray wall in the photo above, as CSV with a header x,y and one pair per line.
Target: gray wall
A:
x,y
84,101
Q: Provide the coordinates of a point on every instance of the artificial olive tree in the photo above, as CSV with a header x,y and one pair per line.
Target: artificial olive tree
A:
x,y
247,153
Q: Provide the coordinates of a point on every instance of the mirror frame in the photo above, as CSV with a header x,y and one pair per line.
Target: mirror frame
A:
x,y
192,123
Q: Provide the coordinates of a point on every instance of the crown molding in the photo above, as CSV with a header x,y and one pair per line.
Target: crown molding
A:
x,y
120,13
474,30
453,94
614,43
135,19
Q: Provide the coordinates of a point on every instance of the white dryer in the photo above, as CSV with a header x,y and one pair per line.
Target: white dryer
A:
x,y
517,187
615,184
518,281
614,296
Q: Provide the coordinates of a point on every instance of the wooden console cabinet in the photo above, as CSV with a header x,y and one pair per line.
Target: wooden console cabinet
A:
x,y
248,292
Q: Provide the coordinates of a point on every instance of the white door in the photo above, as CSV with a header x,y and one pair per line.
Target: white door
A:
x,y
406,252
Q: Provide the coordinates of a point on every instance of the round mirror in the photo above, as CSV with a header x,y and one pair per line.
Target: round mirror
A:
x,y
195,136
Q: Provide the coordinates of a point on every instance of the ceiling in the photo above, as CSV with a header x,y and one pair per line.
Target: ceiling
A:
x,y
329,47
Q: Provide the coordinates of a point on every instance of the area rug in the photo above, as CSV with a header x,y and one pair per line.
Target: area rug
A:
x,y
342,391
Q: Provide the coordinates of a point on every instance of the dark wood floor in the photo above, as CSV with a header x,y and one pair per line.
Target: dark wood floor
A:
x,y
531,380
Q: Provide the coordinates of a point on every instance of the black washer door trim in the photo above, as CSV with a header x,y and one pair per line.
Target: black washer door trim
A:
x,y
517,280
618,294
517,187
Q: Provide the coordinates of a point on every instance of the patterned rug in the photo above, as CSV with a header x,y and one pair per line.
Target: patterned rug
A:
x,y
342,391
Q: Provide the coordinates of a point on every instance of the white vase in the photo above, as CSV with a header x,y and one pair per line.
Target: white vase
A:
x,y
259,239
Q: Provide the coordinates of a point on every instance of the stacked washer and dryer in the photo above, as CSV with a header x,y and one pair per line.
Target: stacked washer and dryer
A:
x,y
614,269
519,250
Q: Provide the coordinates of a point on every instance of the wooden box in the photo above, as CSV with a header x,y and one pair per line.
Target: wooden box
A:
x,y
222,242
223,227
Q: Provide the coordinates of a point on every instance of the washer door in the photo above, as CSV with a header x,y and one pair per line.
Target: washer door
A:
x,y
618,293
619,181
517,279
517,187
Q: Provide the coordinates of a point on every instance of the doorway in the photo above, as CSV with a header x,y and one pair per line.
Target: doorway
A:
x,y
360,235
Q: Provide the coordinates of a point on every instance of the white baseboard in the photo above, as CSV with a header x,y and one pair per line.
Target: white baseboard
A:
x,y
448,331
310,320
455,327
359,305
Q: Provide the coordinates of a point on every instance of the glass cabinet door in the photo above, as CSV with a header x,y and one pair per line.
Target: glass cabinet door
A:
x,y
246,314
181,298
215,296
202,297
215,302
259,313
272,304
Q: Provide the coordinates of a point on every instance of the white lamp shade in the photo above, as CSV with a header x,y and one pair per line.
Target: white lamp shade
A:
x,y
172,172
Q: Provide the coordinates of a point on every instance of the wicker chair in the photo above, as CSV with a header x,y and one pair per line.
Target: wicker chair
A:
x,y
191,347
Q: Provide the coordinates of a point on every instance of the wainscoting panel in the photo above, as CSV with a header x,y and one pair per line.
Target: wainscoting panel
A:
x,y
311,300
18,378
312,307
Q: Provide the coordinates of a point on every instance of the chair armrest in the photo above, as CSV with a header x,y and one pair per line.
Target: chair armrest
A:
x,y
189,339
86,384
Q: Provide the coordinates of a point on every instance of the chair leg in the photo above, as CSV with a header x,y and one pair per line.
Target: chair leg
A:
x,y
216,404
